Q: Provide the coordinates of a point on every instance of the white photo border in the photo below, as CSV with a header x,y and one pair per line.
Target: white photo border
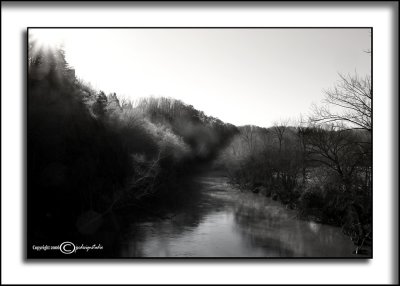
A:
x,y
382,17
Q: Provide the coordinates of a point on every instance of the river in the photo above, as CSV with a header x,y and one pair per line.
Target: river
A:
x,y
224,222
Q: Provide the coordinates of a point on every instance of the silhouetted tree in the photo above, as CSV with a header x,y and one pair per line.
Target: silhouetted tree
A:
x,y
351,98
279,130
100,105
338,150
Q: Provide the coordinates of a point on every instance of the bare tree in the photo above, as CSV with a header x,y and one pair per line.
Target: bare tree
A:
x,y
266,138
336,149
279,130
249,137
351,98
302,130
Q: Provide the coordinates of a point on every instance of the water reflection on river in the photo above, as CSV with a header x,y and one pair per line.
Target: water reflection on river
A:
x,y
227,223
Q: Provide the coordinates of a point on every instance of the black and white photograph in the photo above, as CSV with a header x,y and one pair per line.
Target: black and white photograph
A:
x,y
199,142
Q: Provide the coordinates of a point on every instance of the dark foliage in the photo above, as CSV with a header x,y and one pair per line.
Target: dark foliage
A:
x,y
90,157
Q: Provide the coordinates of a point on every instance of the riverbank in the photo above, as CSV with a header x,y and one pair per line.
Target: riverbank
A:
x,y
361,248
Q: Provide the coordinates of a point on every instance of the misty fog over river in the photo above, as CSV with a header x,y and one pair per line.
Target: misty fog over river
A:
x,y
224,222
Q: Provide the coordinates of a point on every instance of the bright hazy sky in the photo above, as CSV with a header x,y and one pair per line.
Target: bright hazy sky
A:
x,y
242,76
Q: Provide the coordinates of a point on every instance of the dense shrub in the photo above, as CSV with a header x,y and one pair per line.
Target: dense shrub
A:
x,y
324,173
